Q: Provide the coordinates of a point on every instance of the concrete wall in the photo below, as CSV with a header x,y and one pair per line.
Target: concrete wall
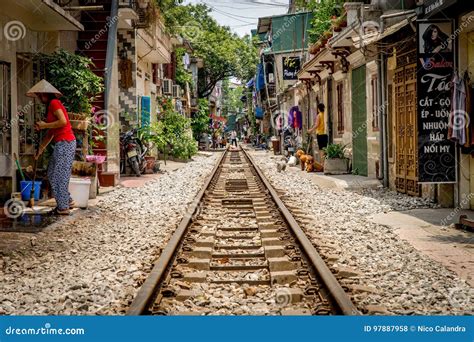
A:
x,y
29,42
373,136
128,101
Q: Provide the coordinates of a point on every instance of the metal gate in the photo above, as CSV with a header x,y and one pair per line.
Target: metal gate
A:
x,y
405,127
359,121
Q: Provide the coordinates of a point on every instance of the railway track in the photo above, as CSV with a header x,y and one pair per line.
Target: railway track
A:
x,y
240,251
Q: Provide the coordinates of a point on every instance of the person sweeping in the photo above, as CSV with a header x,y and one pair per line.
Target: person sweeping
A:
x,y
59,131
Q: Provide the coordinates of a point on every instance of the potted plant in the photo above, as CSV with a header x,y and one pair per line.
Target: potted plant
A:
x,y
335,162
145,135
72,75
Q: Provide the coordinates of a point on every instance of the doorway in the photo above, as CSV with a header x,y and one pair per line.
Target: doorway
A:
x,y
359,121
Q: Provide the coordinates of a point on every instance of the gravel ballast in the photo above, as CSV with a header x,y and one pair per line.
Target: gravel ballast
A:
x,y
384,274
95,261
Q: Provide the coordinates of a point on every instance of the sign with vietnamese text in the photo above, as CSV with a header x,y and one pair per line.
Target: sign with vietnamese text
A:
x,y
436,153
291,66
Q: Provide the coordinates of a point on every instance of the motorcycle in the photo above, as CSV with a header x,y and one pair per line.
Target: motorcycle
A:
x,y
132,151
289,142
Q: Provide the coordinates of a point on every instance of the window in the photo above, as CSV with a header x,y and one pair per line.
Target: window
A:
x,y
375,104
340,107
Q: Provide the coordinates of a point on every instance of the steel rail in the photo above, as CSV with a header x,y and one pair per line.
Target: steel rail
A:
x,y
147,291
337,292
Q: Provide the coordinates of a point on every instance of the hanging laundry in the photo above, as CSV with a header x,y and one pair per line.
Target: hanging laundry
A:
x,y
291,116
458,117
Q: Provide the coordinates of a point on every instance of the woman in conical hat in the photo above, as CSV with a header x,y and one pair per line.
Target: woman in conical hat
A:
x,y
60,132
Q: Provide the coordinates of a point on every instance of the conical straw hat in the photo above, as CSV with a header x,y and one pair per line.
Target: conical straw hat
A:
x,y
43,86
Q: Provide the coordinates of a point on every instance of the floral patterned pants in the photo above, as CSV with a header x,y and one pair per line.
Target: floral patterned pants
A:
x,y
59,172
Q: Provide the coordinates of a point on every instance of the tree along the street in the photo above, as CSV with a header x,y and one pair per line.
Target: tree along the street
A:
x,y
223,52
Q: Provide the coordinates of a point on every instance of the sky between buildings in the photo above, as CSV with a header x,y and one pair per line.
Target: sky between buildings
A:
x,y
242,15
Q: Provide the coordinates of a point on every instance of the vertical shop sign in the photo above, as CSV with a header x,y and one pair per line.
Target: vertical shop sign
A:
x,y
436,153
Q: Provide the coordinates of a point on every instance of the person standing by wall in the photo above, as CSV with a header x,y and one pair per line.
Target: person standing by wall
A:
x,y
320,129
60,131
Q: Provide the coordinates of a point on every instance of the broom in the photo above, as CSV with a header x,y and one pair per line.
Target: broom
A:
x,y
31,202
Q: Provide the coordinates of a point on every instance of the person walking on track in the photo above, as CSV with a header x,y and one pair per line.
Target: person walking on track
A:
x,y
233,138
61,133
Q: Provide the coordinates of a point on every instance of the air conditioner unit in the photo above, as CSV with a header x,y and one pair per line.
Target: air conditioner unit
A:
x,y
176,91
167,87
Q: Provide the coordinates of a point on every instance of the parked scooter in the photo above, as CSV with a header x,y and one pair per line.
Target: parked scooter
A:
x,y
289,142
132,152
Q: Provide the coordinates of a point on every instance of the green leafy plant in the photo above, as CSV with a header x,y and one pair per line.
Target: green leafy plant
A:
x,y
325,12
335,151
172,132
183,76
224,53
200,120
72,75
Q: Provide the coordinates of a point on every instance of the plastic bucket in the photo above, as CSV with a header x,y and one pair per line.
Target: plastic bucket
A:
x,y
25,188
79,188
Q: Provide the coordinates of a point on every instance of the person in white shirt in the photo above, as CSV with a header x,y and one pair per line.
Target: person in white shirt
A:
x,y
233,138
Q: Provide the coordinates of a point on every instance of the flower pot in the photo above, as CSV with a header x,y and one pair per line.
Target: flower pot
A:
x,y
335,166
315,48
150,164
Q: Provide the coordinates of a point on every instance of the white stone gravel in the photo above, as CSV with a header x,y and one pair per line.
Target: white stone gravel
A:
x,y
391,276
94,262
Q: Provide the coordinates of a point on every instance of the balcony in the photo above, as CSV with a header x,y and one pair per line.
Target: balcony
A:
x,y
154,44
40,15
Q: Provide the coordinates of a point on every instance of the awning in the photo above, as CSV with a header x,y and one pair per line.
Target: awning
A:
x,y
314,65
264,24
40,15
344,38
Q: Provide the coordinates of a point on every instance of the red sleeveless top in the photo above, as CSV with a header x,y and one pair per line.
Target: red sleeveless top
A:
x,y
63,133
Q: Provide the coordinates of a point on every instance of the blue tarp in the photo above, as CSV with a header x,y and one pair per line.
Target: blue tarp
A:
x,y
259,112
260,78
